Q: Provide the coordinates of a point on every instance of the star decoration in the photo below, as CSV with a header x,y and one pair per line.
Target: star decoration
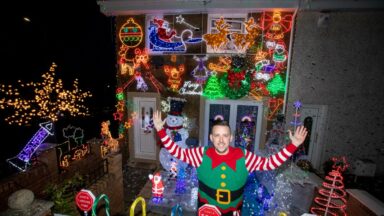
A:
x,y
297,104
179,19
120,106
118,116
340,163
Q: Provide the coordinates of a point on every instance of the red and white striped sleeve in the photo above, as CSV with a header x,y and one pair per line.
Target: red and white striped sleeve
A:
x,y
192,156
254,162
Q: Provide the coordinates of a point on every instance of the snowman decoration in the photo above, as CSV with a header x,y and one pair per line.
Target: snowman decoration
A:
x,y
176,131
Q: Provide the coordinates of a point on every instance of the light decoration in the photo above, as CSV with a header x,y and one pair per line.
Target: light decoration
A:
x,y
218,118
120,106
120,94
277,25
276,85
126,68
161,37
245,41
258,90
22,160
213,88
174,74
331,200
130,35
223,66
274,105
200,72
262,76
157,187
118,116
280,54
97,200
108,140
296,116
73,134
68,152
236,83
141,67
191,88
143,206
181,181
262,63
216,40
180,19
165,106
50,99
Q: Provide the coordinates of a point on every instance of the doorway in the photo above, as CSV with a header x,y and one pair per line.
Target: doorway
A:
x,y
314,119
142,137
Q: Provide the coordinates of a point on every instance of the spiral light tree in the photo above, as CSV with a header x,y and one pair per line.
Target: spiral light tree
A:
x,y
331,199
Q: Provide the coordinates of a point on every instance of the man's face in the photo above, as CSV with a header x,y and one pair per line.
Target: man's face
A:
x,y
221,137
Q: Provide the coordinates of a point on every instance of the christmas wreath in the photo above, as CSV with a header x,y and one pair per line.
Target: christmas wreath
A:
x,y
236,83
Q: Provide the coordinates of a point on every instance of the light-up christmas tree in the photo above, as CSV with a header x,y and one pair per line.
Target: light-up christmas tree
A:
x,y
331,199
276,85
48,100
213,88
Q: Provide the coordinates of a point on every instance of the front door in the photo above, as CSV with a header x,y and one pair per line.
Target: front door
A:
x,y
243,116
314,119
143,134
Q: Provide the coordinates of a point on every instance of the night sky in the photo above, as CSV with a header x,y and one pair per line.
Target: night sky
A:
x,y
74,35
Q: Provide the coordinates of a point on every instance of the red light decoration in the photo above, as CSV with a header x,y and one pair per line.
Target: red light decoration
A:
x,y
174,74
277,25
274,105
332,195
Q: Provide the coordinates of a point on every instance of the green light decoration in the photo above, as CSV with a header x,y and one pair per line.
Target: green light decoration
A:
x,y
94,207
120,96
213,88
276,85
236,83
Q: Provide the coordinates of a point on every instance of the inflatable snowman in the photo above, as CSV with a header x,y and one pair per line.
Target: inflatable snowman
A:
x,y
175,130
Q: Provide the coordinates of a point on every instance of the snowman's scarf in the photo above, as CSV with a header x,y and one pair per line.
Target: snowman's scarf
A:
x,y
175,135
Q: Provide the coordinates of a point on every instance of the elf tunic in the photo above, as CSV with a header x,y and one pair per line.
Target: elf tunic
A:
x,y
222,177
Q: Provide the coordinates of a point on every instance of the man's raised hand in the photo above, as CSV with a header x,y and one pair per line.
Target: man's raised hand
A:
x,y
157,122
299,137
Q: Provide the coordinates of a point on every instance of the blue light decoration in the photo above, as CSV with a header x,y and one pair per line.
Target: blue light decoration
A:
x,y
296,116
181,180
161,38
258,200
177,210
200,72
21,161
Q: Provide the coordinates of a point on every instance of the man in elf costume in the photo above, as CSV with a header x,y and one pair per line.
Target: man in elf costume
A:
x,y
223,170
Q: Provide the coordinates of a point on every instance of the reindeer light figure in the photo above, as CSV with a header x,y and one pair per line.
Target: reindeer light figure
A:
x,y
244,41
216,40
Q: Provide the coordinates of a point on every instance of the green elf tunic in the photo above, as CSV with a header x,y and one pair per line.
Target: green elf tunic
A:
x,y
221,183
222,177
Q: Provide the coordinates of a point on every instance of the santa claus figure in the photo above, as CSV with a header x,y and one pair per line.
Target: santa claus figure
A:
x,y
157,187
163,30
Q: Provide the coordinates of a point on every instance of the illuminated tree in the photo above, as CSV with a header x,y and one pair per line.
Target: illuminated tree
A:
x,y
213,88
331,200
47,100
276,85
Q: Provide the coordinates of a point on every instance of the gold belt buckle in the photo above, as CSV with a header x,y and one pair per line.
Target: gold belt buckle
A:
x,y
220,194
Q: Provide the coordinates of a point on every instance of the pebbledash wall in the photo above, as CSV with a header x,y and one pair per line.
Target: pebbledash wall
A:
x,y
339,62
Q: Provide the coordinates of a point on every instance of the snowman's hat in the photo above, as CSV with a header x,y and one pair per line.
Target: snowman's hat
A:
x,y
176,105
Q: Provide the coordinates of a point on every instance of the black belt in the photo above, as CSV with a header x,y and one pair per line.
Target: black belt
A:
x,y
222,196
